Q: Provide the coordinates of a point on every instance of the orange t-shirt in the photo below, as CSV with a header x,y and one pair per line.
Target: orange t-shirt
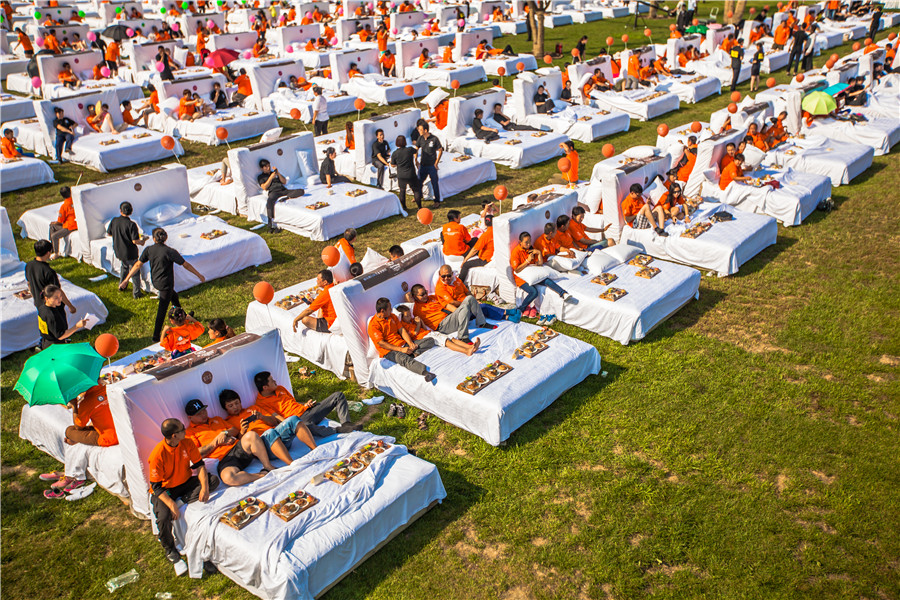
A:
x,y
94,122
204,434
93,410
258,49
25,42
685,171
52,44
682,59
759,140
112,52
726,160
329,32
185,106
431,312
516,258
364,35
577,232
349,252
310,47
323,303
563,239
388,61
154,100
67,214
411,330
66,75
382,38
353,73
243,85
485,245
631,207
172,466
666,204
180,338
96,71
385,330
634,66
282,402
455,292
728,175
781,34
8,147
547,247
259,426
448,55
440,114
572,174
455,237
126,116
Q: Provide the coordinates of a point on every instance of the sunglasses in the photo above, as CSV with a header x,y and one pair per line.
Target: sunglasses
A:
x,y
447,276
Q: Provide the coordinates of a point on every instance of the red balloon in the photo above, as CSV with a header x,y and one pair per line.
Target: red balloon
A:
x,y
673,27
263,292
548,59
856,46
648,32
296,114
500,193
168,142
610,41
575,52
359,104
752,10
330,256
696,126
501,71
800,78
221,133
829,64
106,345
425,216
625,38
564,165
608,150
520,66
729,14
735,96
834,57
892,36
409,90
662,130
770,82
455,84
732,108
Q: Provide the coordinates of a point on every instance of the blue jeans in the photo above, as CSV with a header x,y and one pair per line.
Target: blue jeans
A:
x,y
286,430
532,294
63,140
430,171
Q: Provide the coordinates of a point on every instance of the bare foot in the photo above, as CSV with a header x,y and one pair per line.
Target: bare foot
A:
x,y
475,345
227,181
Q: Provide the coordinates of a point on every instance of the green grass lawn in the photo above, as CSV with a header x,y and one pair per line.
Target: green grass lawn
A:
x,y
747,448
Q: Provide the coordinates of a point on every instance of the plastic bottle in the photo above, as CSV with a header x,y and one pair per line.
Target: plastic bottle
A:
x,y
122,580
355,406
163,596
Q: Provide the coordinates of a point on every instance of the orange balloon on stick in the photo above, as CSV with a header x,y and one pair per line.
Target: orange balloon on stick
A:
x,y
520,66
425,216
662,130
409,90
564,165
263,292
735,96
625,38
770,82
732,108
500,193
168,142
330,256
455,84
696,126
610,41
608,150
106,345
856,46
548,59
800,77
501,71
359,104
221,133
296,114
648,32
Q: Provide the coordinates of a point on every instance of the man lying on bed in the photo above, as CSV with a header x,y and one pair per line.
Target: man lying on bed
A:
x,y
394,342
276,432
277,401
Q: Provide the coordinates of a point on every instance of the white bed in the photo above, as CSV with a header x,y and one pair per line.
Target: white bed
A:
x,y
689,88
82,64
464,52
441,74
718,65
372,86
15,108
35,224
343,211
879,133
841,162
24,172
205,187
30,135
643,103
268,96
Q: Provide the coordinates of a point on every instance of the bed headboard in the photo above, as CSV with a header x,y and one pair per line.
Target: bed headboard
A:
x,y
75,107
647,55
97,203
446,15
461,109
50,65
525,86
344,28
395,123
486,9
7,239
243,40
709,152
578,71
295,34
673,47
408,52
189,22
467,40
354,300
281,153
717,36
143,56
140,403
202,84
305,7
264,78
366,61
350,6
65,31
410,20
758,112
107,11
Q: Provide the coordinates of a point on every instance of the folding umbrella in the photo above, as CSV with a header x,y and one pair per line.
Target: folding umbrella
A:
x,y
818,103
219,58
116,32
59,374
32,67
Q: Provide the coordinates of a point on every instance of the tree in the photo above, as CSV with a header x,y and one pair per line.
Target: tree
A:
x,y
654,9
536,12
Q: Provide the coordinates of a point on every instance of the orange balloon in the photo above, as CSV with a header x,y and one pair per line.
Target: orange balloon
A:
x,y
301,81
648,32
500,193
829,64
221,133
425,216
735,96
564,165
695,22
892,36
770,82
610,41
732,108
455,84
330,256
168,142
520,66
296,114
106,345
501,71
548,59
662,130
752,10
696,126
834,57
608,150
729,14
409,90
800,77
625,38
359,104
856,46
575,52
868,42
673,27
263,292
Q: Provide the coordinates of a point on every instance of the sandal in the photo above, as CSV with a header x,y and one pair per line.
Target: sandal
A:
x,y
52,476
265,471
423,421
54,494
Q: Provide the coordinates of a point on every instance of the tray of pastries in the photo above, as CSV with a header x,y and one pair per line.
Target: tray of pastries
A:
x,y
252,113
148,362
109,142
641,260
140,136
530,349
480,380
350,467
512,142
648,272
317,205
211,235
462,158
539,134
326,142
225,118
111,377
613,294
32,120
295,503
357,192
246,511
543,335
294,300
696,230
23,295
604,278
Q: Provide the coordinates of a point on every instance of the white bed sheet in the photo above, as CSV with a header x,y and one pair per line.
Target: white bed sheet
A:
x,y
207,189
509,63
245,125
531,151
24,173
283,101
88,150
569,122
35,225
880,134
14,108
454,176
816,154
627,102
30,136
372,88
688,90
442,74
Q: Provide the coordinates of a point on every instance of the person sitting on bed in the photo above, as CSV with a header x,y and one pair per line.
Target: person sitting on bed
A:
x,y
92,119
672,203
272,182
68,78
395,251
548,245
600,82
659,66
276,400
577,230
106,122
455,236
506,122
345,244
425,60
10,146
388,64
218,331
327,171
244,88
447,57
483,251
366,33
730,151
542,101
776,131
349,140
234,450
180,332
759,139
418,330
353,71
686,165
566,94
521,257
733,172
486,134
638,214
393,342
450,308
325,281
187,107
440,112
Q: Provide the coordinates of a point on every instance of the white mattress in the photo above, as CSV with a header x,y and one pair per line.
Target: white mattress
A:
x,y
30,136
561,20
323,224
442,74
648,302
454,176
14,108
687,92
129,151
35,225
492,65
243,126
568,122
531,151
501,408
722,249
124,91
369,89
718,65
208,190
214,258
283,101
627,102
24,173
880,134
344,161
299,559
20,83
816,154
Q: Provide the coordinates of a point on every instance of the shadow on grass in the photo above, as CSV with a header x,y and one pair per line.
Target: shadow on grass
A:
x,y
688,316
762,259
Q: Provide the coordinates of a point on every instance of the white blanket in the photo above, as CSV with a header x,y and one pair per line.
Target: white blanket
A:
x,y
284,100
532,149
128,150
880,134
383,90
443,74
24,172
205,187
841,162
14,108
628,102
578,122
245,124
689,91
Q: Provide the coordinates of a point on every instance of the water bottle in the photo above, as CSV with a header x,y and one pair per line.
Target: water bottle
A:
x,y
122,580
163,596
355,406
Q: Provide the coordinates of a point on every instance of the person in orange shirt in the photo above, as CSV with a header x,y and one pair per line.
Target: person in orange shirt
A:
x,y
324,281
388,64
65,221
682,58
672,202
215,438
259,48
92,119
154,98
244,89
781,35
638,214
276,432
187,107
291,15
425,59
440,113
310,45
563,237
548,245
728,43
68,78
218,331
757,34
686,165
447,57
9,146
180,332
759,139
660,68
365,33
578,232
733,172
276,400
328,34
112,57
450,308
776,132
522,257
92,422
353,71
455,236
417,330
24,42
393,342
317,16
730,151
51,43
570,176
481,253
345,243
675,35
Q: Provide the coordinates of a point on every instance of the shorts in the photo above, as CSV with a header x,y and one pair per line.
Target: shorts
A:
x,y
754,70
641,222
286,431
322,325
236,457
439,338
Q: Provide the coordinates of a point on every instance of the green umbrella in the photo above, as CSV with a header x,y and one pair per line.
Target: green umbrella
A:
x,y
818,103
59,374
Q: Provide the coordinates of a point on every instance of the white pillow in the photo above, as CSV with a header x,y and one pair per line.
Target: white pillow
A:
x,y
8,261
641,152
306,160
563,263
163,214
621,252
712,173
599,262
529,77
533,274
168,106
753,156
654,191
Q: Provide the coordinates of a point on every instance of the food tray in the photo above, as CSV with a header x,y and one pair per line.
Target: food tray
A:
x,y
148,362
140,136
530,349
604,278
539,134
486,376
356,193
317,205
293,300
543,335
350,467
641,260
111,377
512,142
648,272
294,505
211,235
696,231
249,510
109,142
613,294
462,158
23,295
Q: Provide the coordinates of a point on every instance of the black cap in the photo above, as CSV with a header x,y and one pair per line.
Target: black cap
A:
x,y
193,407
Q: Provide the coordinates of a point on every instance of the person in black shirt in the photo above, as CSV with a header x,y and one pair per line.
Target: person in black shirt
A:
x,y
162,56
272,182
737,57
798,39
876,21
327,171
506,122
431,156
855,93
125,236
761,16
566,93
381,156
52,322
581,46
65,133
217,97
759,55
487,134
39,274
405,161
162,261
542,102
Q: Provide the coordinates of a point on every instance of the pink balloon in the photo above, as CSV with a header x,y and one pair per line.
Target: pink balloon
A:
x,y
36,82
308,15
129,32
209,62
394,31
334,41
248,54
370,6
461,23
210,24
92,36
341,12
104,71
253,18
393,5
39,41
175,26
160,67
289,49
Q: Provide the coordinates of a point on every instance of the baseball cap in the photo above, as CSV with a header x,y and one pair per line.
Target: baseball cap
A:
x,y
193,407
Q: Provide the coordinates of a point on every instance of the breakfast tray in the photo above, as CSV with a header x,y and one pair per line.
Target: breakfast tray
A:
x,y
294,505
247,510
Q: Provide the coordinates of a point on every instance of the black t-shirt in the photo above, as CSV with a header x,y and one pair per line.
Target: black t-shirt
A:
x,y
162,261
476,125
565,94
166,73
800,38
276,188
39,275
52,322
540,98
381,148
327,168
219,99
65,122
737,55
501,119
429,148
124,233
404,158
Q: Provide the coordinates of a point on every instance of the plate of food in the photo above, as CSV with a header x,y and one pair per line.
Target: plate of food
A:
x,y
109,142
648,272
295,503
111,377
512,142
462,158
356,193
539,134
641,260
604,278
244,513
340,473
470,386
23,295
140,136
317,205
613,294
211,235
696,231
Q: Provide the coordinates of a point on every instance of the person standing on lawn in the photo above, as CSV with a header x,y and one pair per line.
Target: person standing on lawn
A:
x,y
125,237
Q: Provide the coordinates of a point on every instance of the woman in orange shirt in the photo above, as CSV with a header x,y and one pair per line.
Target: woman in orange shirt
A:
x,y
219,331
349,142
425,60
570,176
112,57
65,221
381,36
181,331
440,113
522,257
447,59
51,43
68,78
24,43
388,64
733,172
